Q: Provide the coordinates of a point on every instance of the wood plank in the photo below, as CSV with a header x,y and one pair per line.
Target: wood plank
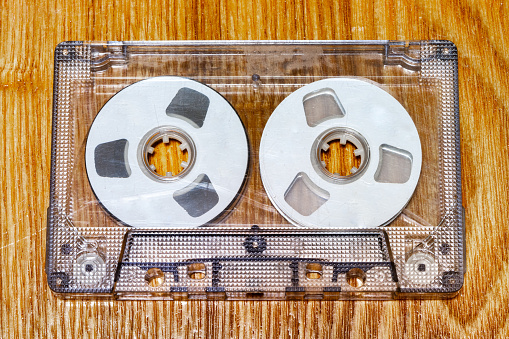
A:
x,y
30,30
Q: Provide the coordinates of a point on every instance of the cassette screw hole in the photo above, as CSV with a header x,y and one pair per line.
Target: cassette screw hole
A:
x,y
451,279
59,279
66,249
421,268
444,248
89,267
356,277
154,277
340,159
196,271
166,157
255,244
314,271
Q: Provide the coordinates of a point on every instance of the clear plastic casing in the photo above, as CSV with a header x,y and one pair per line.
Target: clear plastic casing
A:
x,y
249,249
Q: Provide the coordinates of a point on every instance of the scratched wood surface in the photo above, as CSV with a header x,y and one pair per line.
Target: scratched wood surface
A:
x,y
30,30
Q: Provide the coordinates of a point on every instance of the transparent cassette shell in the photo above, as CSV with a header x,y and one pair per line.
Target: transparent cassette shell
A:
x,y
252,251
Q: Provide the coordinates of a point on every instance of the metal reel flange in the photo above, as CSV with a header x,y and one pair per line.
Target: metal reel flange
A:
x,y
125,132
346,110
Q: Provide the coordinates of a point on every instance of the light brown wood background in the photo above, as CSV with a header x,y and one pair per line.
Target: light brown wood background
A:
x,y
30,30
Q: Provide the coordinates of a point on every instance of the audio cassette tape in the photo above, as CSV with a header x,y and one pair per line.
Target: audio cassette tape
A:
x,y
255,170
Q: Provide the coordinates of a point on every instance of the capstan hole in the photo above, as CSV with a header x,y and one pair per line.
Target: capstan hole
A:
x,y
356,277
314,271
154,277
340,159
167,157
196,271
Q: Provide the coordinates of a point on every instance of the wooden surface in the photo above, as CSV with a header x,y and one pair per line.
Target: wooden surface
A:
x,y
28,33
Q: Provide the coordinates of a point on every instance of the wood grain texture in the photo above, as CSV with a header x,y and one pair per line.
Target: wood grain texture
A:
x,y
30,30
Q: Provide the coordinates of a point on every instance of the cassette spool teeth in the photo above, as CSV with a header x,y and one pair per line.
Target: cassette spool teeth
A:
x,y
205,132
301,130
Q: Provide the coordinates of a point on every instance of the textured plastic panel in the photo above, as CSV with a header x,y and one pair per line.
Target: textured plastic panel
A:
x,y
252,251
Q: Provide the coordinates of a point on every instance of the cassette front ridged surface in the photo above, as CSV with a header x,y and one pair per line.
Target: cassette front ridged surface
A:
x,y
286,263
419,254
